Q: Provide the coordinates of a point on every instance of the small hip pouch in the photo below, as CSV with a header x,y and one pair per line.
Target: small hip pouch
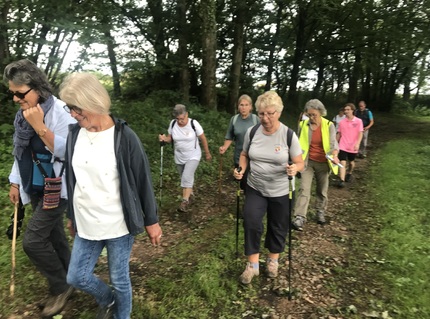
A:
x,y
51,185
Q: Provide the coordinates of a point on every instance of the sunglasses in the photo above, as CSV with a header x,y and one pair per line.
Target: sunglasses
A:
x,y
70,108
20,95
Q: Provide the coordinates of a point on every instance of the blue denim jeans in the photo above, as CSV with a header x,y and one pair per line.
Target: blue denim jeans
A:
x,y
85,254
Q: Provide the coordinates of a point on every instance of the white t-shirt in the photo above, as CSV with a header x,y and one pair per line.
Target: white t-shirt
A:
x,y
186,141
96,200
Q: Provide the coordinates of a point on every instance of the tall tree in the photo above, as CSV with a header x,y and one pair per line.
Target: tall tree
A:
x,y
209,40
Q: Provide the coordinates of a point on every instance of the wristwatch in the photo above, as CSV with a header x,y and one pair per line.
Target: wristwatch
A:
x,y
42,132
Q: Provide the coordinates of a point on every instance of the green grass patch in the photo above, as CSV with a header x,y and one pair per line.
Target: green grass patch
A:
x,y
401,192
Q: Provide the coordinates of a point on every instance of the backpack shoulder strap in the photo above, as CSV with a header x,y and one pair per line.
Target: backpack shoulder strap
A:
x,y
173,124
289,139
252,133
235,118
193,126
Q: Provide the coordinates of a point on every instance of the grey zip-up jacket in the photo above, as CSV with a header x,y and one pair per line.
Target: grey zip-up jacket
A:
x,y
137,192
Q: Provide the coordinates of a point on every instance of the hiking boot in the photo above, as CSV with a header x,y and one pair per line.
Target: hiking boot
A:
x,y
183,207
298,223
348,177
272,268
248,274
106,312
341,184
320,218
55,304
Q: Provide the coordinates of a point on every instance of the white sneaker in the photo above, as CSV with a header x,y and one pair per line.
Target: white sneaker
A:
x,y
248,274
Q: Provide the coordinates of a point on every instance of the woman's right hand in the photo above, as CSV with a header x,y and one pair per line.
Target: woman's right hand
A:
x,y
14,193
162,138
71,228
238,173
222,149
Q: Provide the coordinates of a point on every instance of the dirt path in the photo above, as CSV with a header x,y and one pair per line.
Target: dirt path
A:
x,y
323,256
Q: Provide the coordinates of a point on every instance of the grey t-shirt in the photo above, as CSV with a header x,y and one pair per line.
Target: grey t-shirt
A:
x,y
269,156
236,131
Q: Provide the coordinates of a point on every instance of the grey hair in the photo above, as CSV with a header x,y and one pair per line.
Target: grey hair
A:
x,y
25,72
316,105
179,109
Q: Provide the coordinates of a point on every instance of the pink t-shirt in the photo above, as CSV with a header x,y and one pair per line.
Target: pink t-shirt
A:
x,y
350,132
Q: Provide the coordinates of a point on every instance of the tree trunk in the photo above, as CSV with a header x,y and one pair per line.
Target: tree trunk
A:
x,y
354,77
184,73
273,44
4,41
110,43
237,56
209,30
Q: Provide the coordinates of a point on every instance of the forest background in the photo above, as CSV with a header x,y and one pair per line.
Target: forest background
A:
x,y
153,54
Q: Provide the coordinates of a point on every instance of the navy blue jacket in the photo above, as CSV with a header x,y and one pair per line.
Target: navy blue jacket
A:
x,y
137,192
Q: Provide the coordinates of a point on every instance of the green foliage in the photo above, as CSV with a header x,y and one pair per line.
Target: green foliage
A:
x,y
401,192
204,288
411,108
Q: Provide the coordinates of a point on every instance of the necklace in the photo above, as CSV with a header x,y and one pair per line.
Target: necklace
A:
x,y
93,138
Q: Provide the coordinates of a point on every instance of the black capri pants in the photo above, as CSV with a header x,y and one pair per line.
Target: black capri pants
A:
x,y
278,221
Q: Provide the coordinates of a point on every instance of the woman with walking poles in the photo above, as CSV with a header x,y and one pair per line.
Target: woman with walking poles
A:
x,y
271,162
111,195
185,133
38,147
317,137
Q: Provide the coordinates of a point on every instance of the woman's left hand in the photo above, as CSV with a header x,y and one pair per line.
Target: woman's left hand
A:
x,y
291,170
154,233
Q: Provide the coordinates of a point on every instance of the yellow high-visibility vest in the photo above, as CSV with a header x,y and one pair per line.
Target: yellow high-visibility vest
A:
x,y
325,133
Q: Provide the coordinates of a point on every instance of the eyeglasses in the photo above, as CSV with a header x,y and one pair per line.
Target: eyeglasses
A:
x,y
20,95
312,114
70,108
268,114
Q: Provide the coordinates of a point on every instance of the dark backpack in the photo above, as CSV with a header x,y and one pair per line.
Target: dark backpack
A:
x,y
192,125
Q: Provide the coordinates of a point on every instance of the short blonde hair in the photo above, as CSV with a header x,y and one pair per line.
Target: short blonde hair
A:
x,y
269,99
245,97
85,91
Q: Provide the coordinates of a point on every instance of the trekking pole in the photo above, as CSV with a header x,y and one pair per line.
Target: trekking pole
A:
x,y
290,205
12,276
161,169
220,178
237,214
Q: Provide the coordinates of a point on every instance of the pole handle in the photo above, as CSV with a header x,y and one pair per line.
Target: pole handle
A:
x,y
289,176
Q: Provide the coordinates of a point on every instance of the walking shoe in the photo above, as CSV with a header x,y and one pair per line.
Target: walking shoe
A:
x,y
106,312
55,304
183,208
348,177
248,274
341,184
320,218
298,223
272,268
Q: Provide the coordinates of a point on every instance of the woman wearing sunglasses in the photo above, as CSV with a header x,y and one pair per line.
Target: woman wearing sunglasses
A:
x,y
40,135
